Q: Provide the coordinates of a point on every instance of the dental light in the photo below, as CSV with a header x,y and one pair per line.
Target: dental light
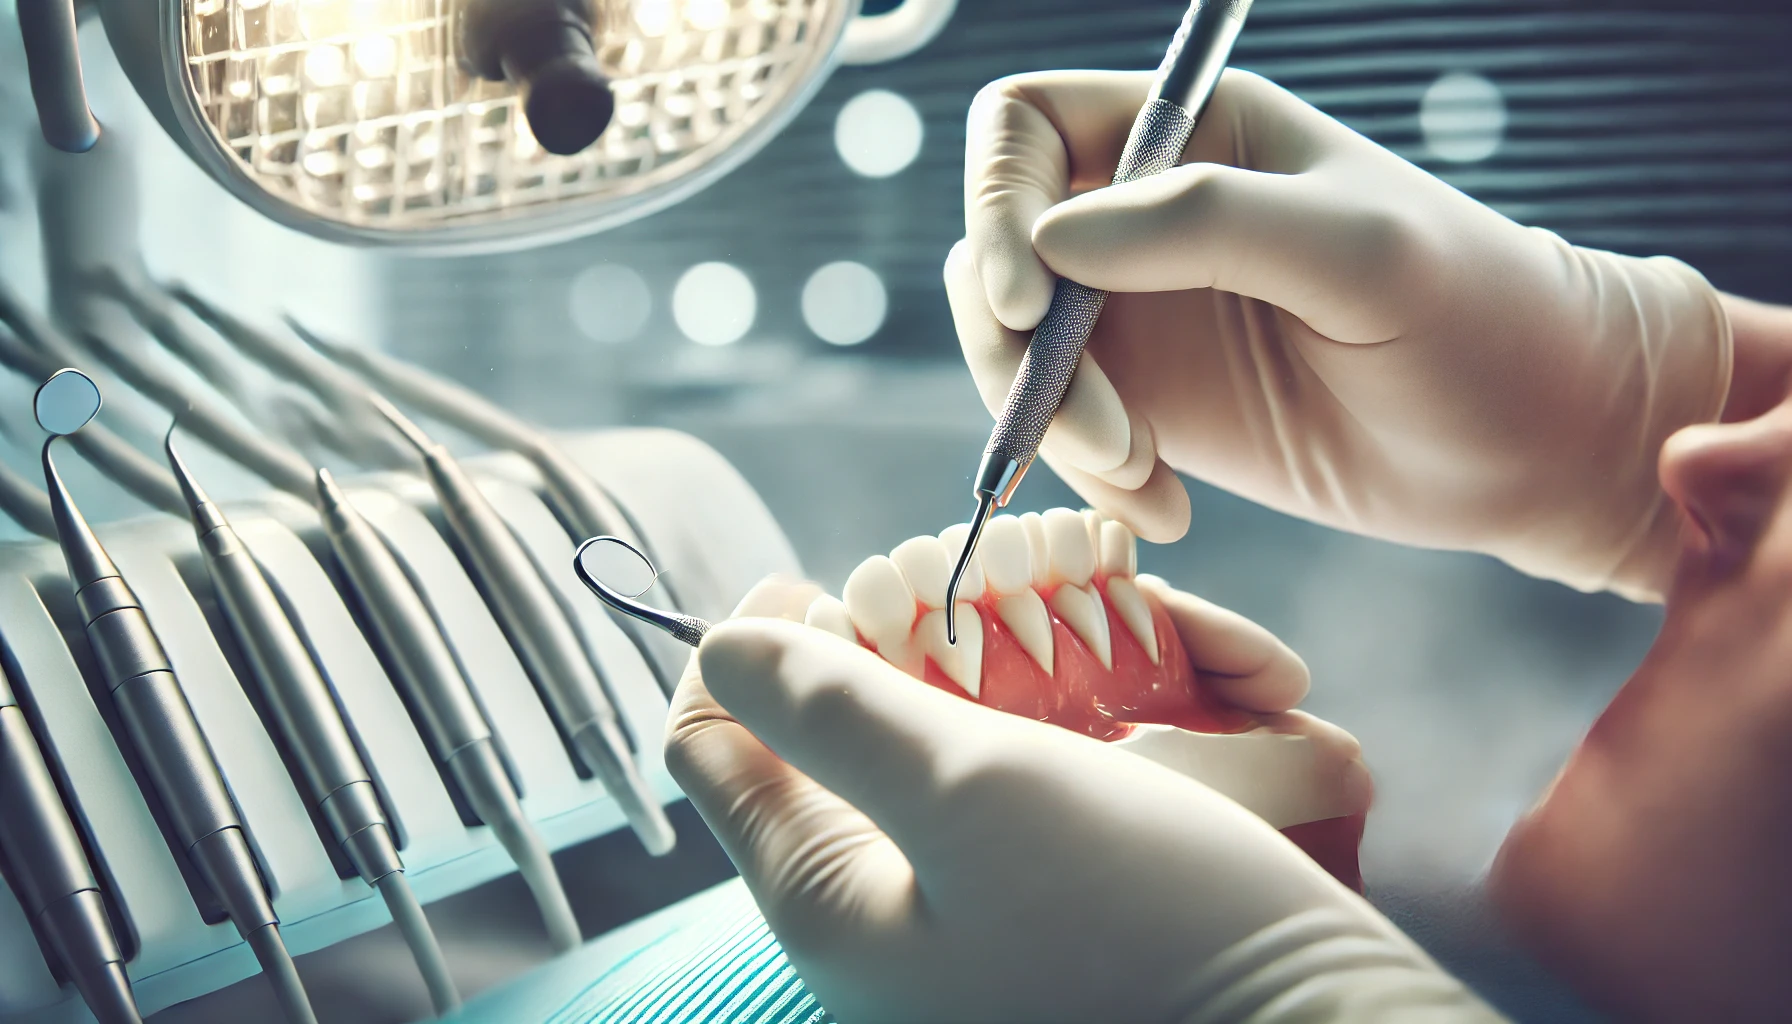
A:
x,y
464,125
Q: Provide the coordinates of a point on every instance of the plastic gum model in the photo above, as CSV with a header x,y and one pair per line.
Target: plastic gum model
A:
x,y
1055,624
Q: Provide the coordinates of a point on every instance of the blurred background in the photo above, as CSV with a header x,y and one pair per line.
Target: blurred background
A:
x,y
792,316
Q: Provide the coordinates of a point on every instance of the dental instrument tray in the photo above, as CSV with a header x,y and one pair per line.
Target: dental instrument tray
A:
x,y
705,519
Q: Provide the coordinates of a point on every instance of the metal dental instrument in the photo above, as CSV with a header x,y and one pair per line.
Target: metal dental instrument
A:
x,y
1185,81
539,630
423,665
49,870
331,774
153,709
601,560
578,500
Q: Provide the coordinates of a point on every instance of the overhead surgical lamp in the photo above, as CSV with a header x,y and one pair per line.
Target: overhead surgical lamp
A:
x,y
463,125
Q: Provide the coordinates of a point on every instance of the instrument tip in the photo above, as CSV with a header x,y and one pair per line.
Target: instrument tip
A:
x,y
400,422
986,505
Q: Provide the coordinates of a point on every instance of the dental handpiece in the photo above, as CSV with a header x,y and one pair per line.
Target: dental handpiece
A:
x,y
538,629
161,728
49,870
425,668
332,775
1185,82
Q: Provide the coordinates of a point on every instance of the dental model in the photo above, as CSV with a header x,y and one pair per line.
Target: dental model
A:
x,y
1054,625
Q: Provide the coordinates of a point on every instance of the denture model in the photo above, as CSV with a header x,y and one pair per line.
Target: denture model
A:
x,y
1054,626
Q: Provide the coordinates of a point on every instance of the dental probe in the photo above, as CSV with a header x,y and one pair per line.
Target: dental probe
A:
x,y
49,869
425,668
332,775
537,627
157,719
1185,81
577,499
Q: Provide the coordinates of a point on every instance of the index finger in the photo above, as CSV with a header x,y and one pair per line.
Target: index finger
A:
x,y
1030,141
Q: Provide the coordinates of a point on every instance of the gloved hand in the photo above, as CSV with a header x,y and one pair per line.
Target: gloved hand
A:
x,y
921,857
1317,325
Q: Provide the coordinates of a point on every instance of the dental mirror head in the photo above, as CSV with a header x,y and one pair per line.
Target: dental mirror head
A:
x,y
66,402
619,566
619,573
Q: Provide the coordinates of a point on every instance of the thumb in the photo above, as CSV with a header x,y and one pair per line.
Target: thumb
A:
x,y
1293,240
839,714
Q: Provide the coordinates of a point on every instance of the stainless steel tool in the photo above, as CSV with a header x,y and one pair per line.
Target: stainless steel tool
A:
x,y
1185,80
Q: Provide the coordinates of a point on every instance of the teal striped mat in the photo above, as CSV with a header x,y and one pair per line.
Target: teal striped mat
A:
x,y
708,960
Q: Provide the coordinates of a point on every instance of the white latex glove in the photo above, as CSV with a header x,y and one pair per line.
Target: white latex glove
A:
x,y
923,858
1322,327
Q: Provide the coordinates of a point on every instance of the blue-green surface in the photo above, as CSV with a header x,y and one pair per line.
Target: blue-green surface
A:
x,y
707,960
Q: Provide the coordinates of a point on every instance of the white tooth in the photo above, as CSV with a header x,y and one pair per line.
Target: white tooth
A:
x,y
1119,551
962,662
1034,525
882,607
1130,605
1007,565
1072,555
927,567
971,587
1025,616
1081,610
827,612
1093,520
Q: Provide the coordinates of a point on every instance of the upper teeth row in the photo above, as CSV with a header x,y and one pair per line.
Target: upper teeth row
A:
x,y
1017,556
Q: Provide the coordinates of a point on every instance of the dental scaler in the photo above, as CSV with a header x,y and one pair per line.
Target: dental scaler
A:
x,y
331,774
50,873
1185,81
157,720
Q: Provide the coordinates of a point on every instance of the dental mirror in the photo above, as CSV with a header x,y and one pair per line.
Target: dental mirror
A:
x,y
619,573
614,563
66,402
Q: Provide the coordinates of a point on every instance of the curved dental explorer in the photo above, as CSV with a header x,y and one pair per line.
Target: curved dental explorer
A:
x,y
117,458
158,722
424,666
538,628
1185,80
332,777
603,559
580,502
49,869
